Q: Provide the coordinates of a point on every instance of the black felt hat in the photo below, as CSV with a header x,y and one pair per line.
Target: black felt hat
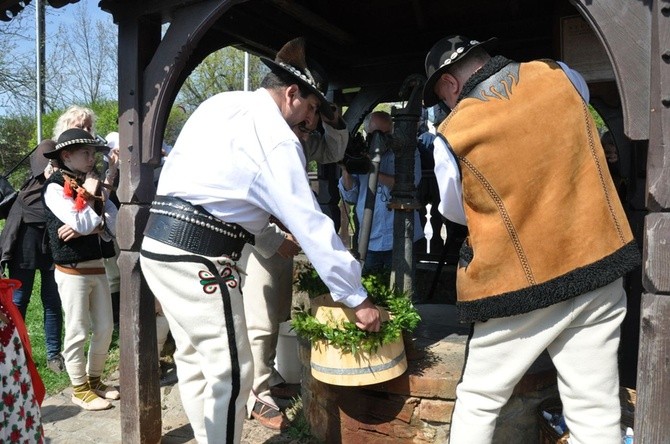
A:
x,y
76,137
291,60
442,55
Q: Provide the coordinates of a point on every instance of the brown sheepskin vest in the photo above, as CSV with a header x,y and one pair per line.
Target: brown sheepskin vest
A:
x,y
544,219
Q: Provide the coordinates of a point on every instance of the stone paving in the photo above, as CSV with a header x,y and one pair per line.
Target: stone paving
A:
x,y
66,423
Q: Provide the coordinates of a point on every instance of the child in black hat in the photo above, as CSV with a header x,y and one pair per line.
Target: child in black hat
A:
x,y
79,216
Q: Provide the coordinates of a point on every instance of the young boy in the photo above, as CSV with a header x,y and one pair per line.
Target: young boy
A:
x,y
79,216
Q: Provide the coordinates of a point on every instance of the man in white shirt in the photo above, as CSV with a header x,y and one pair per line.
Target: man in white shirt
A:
x,y
235,163
268,289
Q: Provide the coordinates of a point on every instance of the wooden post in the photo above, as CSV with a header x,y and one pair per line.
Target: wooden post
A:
x,y
140,393
652,421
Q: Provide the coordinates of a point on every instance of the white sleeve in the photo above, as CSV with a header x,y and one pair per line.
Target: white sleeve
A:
x,y
267,242
329,147
449,182
281,188
83,222
577,80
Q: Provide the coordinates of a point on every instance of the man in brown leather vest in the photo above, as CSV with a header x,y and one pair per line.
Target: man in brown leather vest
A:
x,y
518,160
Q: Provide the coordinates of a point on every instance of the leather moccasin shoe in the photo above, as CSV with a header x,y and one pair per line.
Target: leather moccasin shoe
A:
x,y
270,417
105,391
90,401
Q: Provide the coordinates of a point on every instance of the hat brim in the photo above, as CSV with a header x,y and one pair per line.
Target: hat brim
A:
x,y
325,107
104,149
429,96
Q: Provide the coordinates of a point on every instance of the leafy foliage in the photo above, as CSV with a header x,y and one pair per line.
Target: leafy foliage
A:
x,y
15,143
222,70
346,335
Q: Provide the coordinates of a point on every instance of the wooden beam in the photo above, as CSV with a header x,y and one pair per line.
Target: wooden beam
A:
x,y
658,158
623,29
315,21
140,391
163,74
652,422
652,415
656,278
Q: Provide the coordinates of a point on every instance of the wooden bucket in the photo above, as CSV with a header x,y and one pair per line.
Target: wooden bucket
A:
x,y
333,366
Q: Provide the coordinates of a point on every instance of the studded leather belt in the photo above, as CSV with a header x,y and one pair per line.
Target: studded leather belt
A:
x,y
176,222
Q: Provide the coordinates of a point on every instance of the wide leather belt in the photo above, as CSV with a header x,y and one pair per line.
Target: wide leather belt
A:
x,y
176,222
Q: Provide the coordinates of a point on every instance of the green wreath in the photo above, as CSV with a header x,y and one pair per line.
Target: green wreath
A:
x,y
345,335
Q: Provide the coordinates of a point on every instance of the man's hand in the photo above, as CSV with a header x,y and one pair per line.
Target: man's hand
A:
x,y
289,248
336,122
91,183
67,233
369,318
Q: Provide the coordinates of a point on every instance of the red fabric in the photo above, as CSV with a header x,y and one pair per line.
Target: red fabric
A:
x,y
7,287
67,189
79,200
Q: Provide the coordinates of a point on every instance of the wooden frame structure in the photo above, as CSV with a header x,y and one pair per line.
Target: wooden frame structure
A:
x,y
375,53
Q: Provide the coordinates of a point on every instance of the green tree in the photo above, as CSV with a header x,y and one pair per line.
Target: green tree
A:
x,y
176,120
223,70
81,62
15,143
84,61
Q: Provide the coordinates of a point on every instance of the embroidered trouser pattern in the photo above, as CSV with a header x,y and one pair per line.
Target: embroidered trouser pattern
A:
x,y
201,300
582,338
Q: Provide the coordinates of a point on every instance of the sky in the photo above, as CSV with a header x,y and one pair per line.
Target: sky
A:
x,y
53,19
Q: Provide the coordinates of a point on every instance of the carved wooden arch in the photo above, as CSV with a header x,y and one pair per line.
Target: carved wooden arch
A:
x,y
629,51
151,71
184,45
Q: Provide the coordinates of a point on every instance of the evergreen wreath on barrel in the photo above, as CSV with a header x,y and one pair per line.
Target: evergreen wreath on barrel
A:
x,y
346,336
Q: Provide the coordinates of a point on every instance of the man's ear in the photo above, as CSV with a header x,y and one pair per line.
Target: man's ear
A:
x,y
451,82
291,91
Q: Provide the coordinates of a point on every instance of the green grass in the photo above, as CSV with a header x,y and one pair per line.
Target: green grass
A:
x,y
55,382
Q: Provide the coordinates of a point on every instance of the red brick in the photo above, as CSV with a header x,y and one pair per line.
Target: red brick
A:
x,y
435,410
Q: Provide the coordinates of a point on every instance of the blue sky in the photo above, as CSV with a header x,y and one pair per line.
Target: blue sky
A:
x,y
54,18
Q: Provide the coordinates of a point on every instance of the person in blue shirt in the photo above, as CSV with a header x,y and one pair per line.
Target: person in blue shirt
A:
x,y
353,188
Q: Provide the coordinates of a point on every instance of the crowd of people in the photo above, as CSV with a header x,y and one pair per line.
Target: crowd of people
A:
x,y
222,242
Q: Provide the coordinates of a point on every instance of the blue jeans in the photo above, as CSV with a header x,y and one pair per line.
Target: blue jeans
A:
x,y
53,313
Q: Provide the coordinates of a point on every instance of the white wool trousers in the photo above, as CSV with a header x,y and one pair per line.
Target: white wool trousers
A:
x,y
87,307
267,291
201,300
582,338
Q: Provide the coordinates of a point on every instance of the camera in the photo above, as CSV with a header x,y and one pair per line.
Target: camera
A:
x,y
356,159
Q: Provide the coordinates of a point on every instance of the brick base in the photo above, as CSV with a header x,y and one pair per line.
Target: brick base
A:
x,y
417,406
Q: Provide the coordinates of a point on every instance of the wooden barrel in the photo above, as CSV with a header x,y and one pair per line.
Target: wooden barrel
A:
x,y
334,366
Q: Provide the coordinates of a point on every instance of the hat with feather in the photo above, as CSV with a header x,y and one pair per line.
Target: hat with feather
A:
x,y
291,60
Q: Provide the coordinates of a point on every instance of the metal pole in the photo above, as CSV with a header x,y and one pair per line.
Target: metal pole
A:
x,y
39,62
403,195
377,148
246,71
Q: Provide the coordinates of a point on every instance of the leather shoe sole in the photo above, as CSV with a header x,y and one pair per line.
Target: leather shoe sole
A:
x,y
269,417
